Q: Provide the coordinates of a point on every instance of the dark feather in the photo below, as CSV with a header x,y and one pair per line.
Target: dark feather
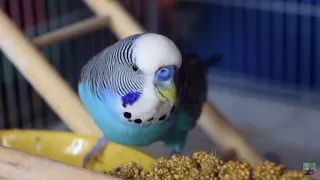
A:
x,y
192,83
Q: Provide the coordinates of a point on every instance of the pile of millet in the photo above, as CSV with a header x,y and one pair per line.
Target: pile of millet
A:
x,y
205,166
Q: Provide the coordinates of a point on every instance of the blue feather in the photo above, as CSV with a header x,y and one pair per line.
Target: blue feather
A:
x,y
174,131
176,137
130,97
111,122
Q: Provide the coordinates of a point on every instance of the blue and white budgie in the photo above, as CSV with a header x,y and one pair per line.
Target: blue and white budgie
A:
x,y
139,91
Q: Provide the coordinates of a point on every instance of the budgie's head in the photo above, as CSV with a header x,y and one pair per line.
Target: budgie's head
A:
x,y
139,71
158,59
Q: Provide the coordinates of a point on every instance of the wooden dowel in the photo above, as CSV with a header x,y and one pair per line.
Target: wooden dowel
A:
x,y
17,165
71,31
44,79
211,121
216,126
121,22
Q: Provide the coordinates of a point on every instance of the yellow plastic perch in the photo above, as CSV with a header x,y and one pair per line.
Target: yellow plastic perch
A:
x,y
70,148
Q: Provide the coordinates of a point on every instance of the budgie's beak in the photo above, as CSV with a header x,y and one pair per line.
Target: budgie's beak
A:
x,y
168,93
165,84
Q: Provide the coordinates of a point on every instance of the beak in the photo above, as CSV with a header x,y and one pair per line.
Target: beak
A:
x,y
167,91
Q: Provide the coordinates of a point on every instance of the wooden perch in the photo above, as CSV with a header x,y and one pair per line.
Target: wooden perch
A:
x,y
121,22
216,126
44,79
71,31
16,165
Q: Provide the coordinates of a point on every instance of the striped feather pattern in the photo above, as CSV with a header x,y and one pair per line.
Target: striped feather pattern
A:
x,y
111,69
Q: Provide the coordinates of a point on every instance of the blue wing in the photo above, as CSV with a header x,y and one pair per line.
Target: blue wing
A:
x,y
110,121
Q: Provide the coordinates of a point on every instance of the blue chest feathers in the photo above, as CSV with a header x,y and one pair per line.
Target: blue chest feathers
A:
x,y
113,125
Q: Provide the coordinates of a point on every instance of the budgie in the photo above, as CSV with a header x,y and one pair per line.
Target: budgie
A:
x,y
139,91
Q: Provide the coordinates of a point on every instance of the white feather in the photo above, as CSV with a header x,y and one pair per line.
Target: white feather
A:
x,y
148,106
152,51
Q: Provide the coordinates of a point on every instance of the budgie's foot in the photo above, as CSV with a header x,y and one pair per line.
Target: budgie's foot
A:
x,y
174,153
94,152
176,150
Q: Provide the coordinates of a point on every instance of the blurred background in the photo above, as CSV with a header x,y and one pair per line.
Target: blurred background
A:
x,y
267,82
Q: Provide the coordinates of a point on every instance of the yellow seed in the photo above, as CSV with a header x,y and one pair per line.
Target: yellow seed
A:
x,y
204,166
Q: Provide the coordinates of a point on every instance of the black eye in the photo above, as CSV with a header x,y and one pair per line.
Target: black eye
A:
x,y
135,67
